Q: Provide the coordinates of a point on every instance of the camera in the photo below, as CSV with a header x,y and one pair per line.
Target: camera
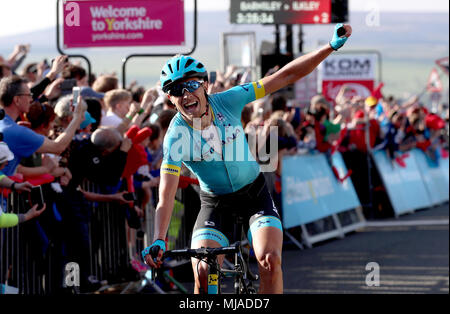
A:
x,y
68,85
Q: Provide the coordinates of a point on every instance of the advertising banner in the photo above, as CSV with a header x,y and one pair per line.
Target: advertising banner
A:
x,y
310,191
123,23
435,176
404,185
357,71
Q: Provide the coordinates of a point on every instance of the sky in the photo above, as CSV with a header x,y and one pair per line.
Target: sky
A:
x,y
21,16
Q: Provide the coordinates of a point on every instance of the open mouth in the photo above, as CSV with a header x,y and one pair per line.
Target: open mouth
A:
x,y
191,107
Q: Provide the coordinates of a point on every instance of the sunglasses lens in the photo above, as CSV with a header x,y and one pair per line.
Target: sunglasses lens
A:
x,y
192,86
177,90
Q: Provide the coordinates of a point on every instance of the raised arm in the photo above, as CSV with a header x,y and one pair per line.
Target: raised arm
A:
x,y
305,64
63,140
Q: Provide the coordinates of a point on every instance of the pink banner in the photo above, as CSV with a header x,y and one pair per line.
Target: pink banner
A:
x,y
119,23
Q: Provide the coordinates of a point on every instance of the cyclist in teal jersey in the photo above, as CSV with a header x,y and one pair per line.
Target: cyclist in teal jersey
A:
x,y
206,136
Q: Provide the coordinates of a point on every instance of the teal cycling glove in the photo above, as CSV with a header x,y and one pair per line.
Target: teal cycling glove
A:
x,y
159,245
337,42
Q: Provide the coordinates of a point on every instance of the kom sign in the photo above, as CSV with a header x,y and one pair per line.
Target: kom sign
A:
x,y
357,71
115,23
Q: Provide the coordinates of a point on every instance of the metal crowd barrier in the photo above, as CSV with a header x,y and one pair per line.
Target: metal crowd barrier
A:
x,y
23,265
108,245
34,254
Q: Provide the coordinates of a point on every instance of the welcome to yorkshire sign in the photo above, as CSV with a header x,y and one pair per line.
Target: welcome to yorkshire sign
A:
x,y
113,23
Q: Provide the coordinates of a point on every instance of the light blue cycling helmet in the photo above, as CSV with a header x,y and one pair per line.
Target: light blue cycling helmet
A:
x,y
181,67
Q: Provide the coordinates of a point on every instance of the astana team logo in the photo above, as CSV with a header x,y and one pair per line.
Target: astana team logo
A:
x,y
220,117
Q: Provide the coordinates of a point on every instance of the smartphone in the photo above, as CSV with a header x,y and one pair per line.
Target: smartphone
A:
x,y
75,93
68,85
212,77
36,196
130,197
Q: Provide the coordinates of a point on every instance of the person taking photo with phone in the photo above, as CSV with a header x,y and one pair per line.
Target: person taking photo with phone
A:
x,y
16,99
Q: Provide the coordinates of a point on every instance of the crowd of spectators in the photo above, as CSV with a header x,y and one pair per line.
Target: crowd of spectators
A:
x,y
109,136
343,124
44,134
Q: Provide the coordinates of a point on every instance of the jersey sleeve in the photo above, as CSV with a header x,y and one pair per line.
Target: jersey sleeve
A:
x,y
237,97
173,153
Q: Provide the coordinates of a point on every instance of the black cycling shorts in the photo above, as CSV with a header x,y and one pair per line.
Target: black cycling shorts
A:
x,y
252,205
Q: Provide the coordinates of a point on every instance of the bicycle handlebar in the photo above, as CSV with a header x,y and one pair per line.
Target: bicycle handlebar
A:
x,y
204,252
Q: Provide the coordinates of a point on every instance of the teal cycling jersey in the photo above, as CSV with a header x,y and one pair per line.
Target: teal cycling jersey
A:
x,y
218,172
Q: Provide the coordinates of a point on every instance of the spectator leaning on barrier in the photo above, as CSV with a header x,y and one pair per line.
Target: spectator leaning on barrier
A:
x,y
10,220
101,158
394,135
6,219
15,99
5,156
355,135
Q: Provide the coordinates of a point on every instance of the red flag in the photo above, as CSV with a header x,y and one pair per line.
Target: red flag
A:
x,y
377,91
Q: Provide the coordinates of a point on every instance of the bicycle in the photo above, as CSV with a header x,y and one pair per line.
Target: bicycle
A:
x,y
243,277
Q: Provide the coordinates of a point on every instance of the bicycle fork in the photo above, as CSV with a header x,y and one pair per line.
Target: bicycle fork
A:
x,y
213,279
